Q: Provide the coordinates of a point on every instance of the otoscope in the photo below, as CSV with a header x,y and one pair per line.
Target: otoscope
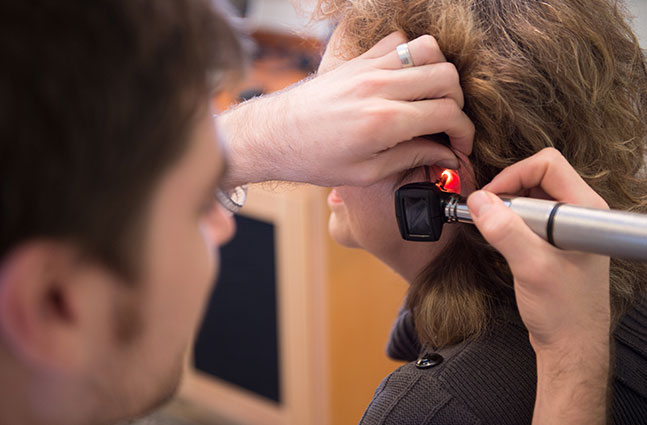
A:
x,y
422,209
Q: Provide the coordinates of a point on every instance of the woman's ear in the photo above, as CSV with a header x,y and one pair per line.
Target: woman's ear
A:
x,y
44,306
465,175
467,181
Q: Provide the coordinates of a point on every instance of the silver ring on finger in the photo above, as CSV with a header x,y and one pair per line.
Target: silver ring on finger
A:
x,y
405,55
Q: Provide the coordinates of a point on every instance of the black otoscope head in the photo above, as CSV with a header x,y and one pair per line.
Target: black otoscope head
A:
x,y
419,209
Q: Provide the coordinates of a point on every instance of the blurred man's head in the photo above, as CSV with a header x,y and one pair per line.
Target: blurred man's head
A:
x,y
108,163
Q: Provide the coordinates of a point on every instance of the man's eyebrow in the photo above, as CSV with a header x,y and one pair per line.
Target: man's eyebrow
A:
x,y
224,171
216,183
225,166
220,176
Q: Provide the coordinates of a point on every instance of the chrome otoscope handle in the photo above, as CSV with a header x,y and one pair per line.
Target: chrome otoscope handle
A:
x,y
614,233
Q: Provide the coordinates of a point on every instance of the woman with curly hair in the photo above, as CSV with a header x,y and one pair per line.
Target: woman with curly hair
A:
x,y
555,88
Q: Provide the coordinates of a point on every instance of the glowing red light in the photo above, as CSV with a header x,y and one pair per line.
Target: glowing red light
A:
x,y
450,181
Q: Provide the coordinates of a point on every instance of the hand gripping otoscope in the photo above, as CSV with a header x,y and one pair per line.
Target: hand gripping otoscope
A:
x,y
422,209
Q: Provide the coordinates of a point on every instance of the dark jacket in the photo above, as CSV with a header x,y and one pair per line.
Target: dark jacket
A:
x,y
492,380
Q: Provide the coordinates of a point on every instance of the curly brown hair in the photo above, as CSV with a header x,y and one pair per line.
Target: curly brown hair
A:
x,y
567,74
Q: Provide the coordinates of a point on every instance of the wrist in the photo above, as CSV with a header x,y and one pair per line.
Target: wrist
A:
x,y
232,138
249,134
563,362
572,382
260,138
588,329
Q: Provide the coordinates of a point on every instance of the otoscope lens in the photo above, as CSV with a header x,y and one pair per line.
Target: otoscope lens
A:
x,y
417,216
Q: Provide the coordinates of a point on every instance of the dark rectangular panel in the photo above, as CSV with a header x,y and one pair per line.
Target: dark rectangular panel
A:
x,y
238,340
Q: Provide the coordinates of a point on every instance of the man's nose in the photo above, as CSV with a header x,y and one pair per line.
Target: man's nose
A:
x,y
222,226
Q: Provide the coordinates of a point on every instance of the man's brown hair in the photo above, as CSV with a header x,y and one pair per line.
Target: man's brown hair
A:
x,y
98,99
567,74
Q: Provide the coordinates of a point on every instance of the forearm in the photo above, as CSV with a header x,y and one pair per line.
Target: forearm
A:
x,y
246,136
260,138
354,124
572,386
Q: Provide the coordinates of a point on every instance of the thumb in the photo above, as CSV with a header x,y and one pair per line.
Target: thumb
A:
x,y
506,231
414,153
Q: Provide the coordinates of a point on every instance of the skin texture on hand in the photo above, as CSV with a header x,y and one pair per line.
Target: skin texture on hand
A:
x,y
354,124
563,297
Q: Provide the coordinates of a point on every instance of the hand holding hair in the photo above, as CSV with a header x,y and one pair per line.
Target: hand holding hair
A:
x,y
354,124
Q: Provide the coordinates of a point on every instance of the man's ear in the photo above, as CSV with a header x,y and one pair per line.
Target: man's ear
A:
x,y
43,311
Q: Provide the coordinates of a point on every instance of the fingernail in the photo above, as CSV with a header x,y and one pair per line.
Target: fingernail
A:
x,y
451,163
478,203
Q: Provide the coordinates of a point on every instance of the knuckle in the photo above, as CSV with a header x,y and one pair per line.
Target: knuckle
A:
x,y
366,176
383,114
497,231
471,128
371,84
428,42
399,37
451,76
449,109
375,115
551,154
449,70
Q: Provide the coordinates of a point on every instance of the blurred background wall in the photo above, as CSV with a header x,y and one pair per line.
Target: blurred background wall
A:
x,y
280,15
638,9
